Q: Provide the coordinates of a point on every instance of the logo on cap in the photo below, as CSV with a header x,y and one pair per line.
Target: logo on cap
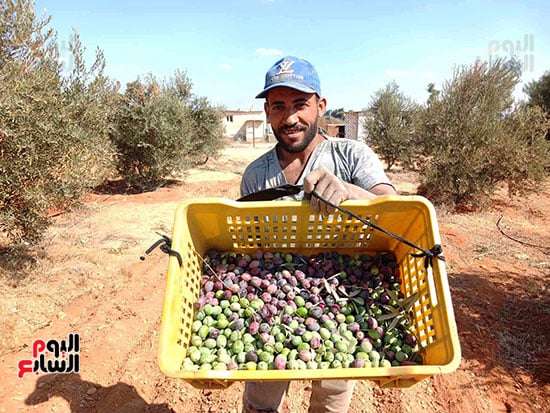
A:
x,y
292,72
284,68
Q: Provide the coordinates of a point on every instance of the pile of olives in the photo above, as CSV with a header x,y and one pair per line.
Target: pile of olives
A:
x,y
277,310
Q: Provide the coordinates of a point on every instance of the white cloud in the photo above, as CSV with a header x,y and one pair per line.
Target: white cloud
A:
x,y
397,72
226,66
268,52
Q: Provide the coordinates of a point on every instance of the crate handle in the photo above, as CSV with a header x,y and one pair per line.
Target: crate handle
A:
x,y
287,189
165,245
270,194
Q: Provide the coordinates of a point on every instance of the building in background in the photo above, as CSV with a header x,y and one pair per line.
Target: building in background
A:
x,y
336,130
354,125
251,126
246,126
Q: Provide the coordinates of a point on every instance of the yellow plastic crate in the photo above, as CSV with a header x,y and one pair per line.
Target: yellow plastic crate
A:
x,y
290,226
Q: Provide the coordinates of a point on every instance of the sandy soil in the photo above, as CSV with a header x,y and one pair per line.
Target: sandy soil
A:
x,y
89,279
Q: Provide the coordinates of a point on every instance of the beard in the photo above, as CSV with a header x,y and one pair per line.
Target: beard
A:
x,y
309,134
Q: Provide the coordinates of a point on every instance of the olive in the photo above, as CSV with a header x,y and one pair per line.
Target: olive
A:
x,y
265,315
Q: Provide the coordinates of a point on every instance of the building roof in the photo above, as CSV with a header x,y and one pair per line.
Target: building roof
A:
x,y
243,112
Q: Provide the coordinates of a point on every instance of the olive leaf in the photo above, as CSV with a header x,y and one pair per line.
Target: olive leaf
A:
x,y
399,312
355,291
392,313
408,303
359,301
342,290
393,295
354,304
394,322
331,291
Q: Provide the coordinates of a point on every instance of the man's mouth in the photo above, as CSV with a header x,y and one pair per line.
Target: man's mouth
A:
x,y
292,131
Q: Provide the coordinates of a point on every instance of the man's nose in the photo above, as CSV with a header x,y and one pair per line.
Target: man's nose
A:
x,y
291,117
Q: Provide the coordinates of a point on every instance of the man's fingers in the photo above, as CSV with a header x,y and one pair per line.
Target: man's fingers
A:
x,y
327,194
314,178
328,187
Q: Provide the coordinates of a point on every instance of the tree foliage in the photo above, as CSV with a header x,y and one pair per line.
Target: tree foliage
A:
x,y
390,125
162,129
24,38
53,139
334,114
64,130
475,137
538,92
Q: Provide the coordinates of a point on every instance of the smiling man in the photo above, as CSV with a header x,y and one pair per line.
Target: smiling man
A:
x,y
337,168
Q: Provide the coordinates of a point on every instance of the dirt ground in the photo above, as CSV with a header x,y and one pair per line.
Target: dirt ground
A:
x,y
89,279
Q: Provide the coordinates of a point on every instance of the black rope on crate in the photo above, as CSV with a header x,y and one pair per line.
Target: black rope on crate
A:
x,y
434,252
165,245
429,254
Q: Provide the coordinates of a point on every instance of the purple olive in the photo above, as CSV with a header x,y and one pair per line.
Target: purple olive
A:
x,y
372,323
280,362
253,327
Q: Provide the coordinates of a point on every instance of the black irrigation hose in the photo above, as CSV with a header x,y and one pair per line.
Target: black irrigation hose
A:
x,y
545,247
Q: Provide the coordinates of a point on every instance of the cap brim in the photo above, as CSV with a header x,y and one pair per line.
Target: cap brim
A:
x,y
301,88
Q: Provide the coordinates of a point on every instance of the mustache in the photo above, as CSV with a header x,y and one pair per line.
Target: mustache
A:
x,y
295,126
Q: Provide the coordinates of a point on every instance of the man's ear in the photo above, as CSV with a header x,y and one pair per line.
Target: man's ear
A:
x,y
322,106
266,108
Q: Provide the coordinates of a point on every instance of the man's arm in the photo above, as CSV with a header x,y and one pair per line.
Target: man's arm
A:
x,y
383,189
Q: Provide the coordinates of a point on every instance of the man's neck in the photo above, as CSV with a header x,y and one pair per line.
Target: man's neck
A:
x,y
286,157
293,163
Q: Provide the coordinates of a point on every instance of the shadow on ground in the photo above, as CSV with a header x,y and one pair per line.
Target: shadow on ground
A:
x,y
514,317
84,396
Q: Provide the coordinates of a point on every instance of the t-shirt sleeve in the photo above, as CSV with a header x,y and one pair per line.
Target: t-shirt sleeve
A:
x,y
368,170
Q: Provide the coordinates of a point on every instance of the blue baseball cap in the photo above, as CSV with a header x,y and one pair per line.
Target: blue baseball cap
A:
x,y
292,72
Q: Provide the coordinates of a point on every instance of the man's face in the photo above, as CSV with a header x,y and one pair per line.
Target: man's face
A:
x,y
294,117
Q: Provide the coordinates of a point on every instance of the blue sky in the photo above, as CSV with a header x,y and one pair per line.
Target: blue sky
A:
x,y
356,46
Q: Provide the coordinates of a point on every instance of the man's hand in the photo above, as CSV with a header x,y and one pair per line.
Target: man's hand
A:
x,y
334,190
328,186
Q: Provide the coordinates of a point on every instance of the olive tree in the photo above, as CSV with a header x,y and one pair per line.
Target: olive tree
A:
x,y
53,142
390,125
475,136
538,92
162,129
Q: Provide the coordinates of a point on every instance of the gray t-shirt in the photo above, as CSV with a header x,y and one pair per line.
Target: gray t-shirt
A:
x,y
352,161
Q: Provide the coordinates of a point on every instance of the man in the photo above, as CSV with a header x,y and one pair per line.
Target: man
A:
x,y
338,169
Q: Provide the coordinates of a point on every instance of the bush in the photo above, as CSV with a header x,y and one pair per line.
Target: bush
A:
x,y
527,157
474,137
52,139
162,130
390,124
